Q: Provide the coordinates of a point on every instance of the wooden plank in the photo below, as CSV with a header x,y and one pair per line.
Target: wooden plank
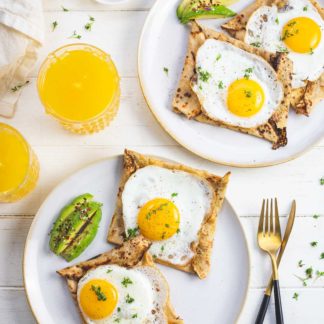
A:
x,y
14,308
116,32
297,180
86,5
13,232
307,309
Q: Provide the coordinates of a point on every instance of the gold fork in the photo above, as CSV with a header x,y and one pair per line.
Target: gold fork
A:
x,y
269,240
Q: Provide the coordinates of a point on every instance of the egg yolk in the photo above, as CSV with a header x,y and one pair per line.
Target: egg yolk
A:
x,y
158,219
245,97
98,298
301,34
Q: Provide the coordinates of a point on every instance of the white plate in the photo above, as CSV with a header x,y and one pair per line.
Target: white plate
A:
x,y
163,44
217,299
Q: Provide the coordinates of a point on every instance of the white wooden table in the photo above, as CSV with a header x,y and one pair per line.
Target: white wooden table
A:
x,y
117,30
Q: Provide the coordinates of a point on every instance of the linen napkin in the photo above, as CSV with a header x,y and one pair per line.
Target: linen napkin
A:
x,y
21,35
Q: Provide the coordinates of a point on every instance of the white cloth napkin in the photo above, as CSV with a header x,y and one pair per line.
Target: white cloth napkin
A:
x,y
21,35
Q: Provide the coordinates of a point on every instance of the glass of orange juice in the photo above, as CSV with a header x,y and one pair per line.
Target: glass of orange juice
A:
x,y
79,86
19,167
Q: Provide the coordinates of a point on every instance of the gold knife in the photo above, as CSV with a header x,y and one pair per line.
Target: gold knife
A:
x,y
267,294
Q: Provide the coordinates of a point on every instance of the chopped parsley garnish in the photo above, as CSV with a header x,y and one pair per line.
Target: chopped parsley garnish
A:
x,y
322,181
256,44
126,281
282,49
322,256
291,33
203,75
154,211
313,244
300,263
316,216
117,320
220,85
118,309
175,194
277,20
178,230
163,235
75,35
19,86
134,316
309,273
295,296
247,73
54,25
132,232
89,24
311,52
166,70
154,256
64,9
319,274
218,56
129,299
100,295
248,93
167,225
109,270
305,8
162,248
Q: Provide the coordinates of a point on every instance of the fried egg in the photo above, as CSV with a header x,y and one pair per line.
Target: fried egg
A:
x,y
234,86
297,29
167,207
113,294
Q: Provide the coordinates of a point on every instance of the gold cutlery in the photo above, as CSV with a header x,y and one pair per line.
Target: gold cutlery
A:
x,y
267,294
269,240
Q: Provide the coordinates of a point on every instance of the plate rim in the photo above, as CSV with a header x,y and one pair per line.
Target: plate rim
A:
x,y
175,137
116,156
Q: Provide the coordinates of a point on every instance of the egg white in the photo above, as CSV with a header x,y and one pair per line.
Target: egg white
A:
x,y
266,33
226,63
149,290
193,199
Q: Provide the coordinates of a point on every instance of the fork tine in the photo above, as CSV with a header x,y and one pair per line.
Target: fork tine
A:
x,y
266,229
271,216
278,230
261,220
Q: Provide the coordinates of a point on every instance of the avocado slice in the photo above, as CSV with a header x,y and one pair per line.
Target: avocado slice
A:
x,y
197,9
74,226
83,238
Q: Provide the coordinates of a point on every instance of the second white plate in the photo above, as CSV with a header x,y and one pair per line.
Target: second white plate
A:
x,y
163,44
197,301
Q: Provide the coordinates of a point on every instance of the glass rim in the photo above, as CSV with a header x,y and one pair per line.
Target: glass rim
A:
x,y
31,155
42,71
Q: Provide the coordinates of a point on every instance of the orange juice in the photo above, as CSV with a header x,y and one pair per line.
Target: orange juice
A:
x,y
79,85
18,165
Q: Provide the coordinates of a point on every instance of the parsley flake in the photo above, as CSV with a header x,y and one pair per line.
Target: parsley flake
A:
x,y
322,181
305,8
134,316
316,216
109,270
256,44
19,86
248,93
126,281
54,25
277,21
203,75
220,85
100,294
322,256
247,73
132,232
175,194
75,35
295,296
129,299
166,71
300,263
64,9
89,24
313,244
218,57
